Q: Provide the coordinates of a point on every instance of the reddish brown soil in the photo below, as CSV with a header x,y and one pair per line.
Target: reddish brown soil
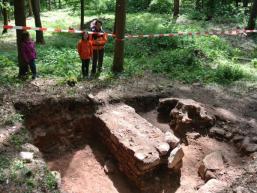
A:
x,y
82,169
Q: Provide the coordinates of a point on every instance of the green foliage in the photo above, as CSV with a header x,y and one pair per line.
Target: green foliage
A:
x,y
213,47
20,138
2,176
138,5
161,6
8,69
59,58
17,165
50,181
4,162
31,183
6,6
188,59
102,5
29,180
229,73
181,64
254,63
13,119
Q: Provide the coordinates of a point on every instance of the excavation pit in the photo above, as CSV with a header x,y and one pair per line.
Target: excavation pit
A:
x,y
79,137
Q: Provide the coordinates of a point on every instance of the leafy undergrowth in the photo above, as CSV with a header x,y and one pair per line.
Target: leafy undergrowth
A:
x,y
17,175
205,59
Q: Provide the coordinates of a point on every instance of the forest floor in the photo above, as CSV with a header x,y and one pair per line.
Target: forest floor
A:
x,y
82,169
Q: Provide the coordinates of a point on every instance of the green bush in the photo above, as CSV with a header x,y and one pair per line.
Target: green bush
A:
x,y
228,73
8,69
254,62
160,6
138,5
19,138
102,5
50,181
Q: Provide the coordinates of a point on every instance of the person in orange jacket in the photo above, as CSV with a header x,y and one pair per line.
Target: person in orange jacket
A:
x,y
85,50
99,40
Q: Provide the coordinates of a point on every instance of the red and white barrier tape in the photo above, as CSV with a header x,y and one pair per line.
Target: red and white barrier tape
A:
x,y
10,27
227,32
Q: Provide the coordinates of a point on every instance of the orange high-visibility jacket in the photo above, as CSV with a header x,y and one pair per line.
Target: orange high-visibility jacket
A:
x,y
100,41
85,49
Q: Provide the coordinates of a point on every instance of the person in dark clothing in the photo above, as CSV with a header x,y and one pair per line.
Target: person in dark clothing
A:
x,y
99,39
29,52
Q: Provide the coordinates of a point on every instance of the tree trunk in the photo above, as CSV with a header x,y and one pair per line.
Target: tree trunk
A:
x,y
120,32
20,20
30,8
55,4
176,8
116,16
36,12
60,4
198,5
82,13
252,19
245,3
210,9
5,15
237,3
49,5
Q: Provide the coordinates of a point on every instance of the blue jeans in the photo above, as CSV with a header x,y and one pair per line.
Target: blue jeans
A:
x,y
33,68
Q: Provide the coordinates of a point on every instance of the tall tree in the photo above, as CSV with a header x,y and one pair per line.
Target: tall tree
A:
x,y
20,20
114,25
120,23
210,9
36,12
55,4
60,4
176,8
198,5
82,13
237,3
5,14
49,5
245,3
30,8
253,15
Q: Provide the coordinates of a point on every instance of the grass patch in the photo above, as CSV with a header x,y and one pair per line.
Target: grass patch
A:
x,y
50,181
13,119
208,59
20,138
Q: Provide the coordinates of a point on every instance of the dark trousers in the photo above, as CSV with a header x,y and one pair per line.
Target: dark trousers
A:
x,y
33,68
85,66
98,56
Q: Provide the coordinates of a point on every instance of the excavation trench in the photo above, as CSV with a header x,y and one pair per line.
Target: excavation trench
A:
x,y
122,146
77,138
